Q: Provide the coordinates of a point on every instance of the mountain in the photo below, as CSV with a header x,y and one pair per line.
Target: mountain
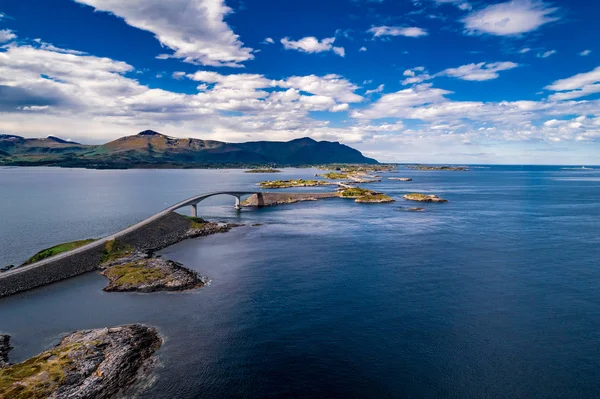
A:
x,y
16,145
152,149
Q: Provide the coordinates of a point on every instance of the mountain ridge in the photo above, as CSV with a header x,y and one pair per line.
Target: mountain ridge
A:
x,y
153,149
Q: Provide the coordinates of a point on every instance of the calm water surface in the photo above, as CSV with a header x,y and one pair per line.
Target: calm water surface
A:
x,y
494,294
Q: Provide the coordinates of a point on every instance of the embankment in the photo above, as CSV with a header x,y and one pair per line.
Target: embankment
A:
x,y
159,233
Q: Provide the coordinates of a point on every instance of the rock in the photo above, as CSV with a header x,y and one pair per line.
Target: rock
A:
x,y
257,224
400,178
445,168
6,268
272,199
412,209
423,198
151,275
293,183
89,364
374,199
4,349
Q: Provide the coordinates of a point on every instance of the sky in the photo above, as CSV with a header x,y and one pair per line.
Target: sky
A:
x,y
438,81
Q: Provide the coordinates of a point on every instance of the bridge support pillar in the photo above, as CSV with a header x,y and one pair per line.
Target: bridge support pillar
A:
x,y
238,203
194,210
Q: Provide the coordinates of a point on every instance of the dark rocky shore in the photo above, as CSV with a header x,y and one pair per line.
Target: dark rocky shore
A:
x,y
150,275
88,364
132,270
4,349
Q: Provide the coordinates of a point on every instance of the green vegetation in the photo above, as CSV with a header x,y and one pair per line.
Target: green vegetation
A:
x,y
48,252
364,196
335,175
357,168
416,197
37,377
292,183
196,223
263,171
355,192
376,198
135,273
423,197
115,250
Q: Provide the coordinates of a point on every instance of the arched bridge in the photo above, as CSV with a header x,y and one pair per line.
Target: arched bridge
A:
x,y
193,202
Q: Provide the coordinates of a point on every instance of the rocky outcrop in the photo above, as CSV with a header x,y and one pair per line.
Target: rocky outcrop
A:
x,y
4,349
151,275
423,198
6,268
400,178
442,168
293,183
89,364
374,199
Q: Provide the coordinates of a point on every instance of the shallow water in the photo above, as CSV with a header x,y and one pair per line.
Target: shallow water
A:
x,y
494,294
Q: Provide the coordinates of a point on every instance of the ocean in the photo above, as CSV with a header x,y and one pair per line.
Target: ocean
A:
x,y
494,294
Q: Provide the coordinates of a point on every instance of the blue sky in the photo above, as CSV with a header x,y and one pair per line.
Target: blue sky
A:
x,y
403,81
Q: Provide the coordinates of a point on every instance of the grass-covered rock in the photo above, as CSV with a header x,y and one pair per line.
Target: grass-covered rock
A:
x,y
423,197
57,249
364,196
335,175
86,364
151,275
293,183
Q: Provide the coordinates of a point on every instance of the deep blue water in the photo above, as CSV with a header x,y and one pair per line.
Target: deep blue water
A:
x,y
494,294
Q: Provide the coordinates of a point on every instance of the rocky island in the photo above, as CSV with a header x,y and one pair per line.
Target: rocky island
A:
x,y
442,168
293,183
86,364
140,273
400,178
364,196
263,171
423,198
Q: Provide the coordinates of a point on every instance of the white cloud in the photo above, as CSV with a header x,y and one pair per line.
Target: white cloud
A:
x,y
524,50
340,107
329,85
569,95
178,75
546,54
269,40
6,35
576,82
479,72
461,4
585,53
311,44
416,75
339,51
363,48
511,18
580,85
379,89
411,31
194,30
47,91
